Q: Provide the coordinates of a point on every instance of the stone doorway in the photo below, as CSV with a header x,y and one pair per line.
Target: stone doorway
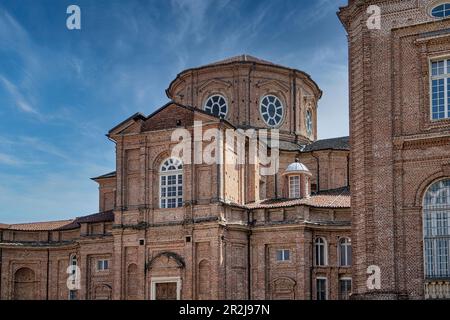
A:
x,y
166,288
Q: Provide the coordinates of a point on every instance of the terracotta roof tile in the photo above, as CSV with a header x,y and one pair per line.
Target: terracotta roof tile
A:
x,y
60,225
39,226
338,198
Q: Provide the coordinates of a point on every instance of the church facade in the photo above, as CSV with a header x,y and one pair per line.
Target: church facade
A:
x,y
172,226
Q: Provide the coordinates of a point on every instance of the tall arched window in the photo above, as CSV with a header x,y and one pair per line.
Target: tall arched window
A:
x,y
436,230
171,183
321,253
73,270
345,252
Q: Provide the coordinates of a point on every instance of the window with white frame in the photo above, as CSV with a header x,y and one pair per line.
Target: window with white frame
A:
x,y
171,183
321,289
217,105
73,271
272,110
436,230
441,11
294,187
102,265
320,246
345,288
440,89
283,255
345,252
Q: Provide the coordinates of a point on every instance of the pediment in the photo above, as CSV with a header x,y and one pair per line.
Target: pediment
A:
x,y
273,84
214,82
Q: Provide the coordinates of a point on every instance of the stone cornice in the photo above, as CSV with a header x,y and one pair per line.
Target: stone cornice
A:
x,y
419,140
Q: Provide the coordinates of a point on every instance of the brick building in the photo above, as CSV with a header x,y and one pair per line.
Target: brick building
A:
x,y
174,229
400,144
171,229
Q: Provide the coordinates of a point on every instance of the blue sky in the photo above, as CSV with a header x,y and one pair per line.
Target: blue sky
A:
x,y
61,90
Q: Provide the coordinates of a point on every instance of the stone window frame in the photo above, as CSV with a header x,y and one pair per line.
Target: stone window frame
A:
x,y
446,77
163,175
425,94
293,193
345,278
102,261
323,244
283,251
348,256
221,95
283,109
326,287
432,234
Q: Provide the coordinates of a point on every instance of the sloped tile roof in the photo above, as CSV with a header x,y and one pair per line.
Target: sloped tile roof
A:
x,y
338,198
39,226
342,143
107,216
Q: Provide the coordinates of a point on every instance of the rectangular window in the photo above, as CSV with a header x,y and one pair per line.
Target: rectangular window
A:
x,y
171,191
321,289
72,295
102,265
294,187
440,89
345,288
283,255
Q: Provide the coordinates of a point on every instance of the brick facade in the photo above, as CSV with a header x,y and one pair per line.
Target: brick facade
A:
x,y
397,152
224,242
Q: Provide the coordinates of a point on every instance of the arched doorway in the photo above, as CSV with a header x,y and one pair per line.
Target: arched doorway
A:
x,y
24,284
436,239
103,292
166,271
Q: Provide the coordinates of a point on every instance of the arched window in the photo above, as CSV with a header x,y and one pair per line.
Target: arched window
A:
x,y
309,125
441,11
345,252
272,110
73,260
217,105
73,269
171,183
436,230
321,253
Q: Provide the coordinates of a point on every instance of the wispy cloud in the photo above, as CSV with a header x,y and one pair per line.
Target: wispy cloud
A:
x,y
18,98
7,159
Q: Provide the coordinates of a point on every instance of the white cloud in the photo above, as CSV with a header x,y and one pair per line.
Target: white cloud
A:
x,y
19,100
9,160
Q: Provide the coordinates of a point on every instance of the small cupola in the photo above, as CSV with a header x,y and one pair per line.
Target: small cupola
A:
x,y
297,180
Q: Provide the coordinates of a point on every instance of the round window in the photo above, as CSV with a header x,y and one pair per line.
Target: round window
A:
x,y
441,11
271,110
309,125
217,105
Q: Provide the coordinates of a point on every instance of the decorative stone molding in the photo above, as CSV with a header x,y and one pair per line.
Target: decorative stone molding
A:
x,y
437,289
